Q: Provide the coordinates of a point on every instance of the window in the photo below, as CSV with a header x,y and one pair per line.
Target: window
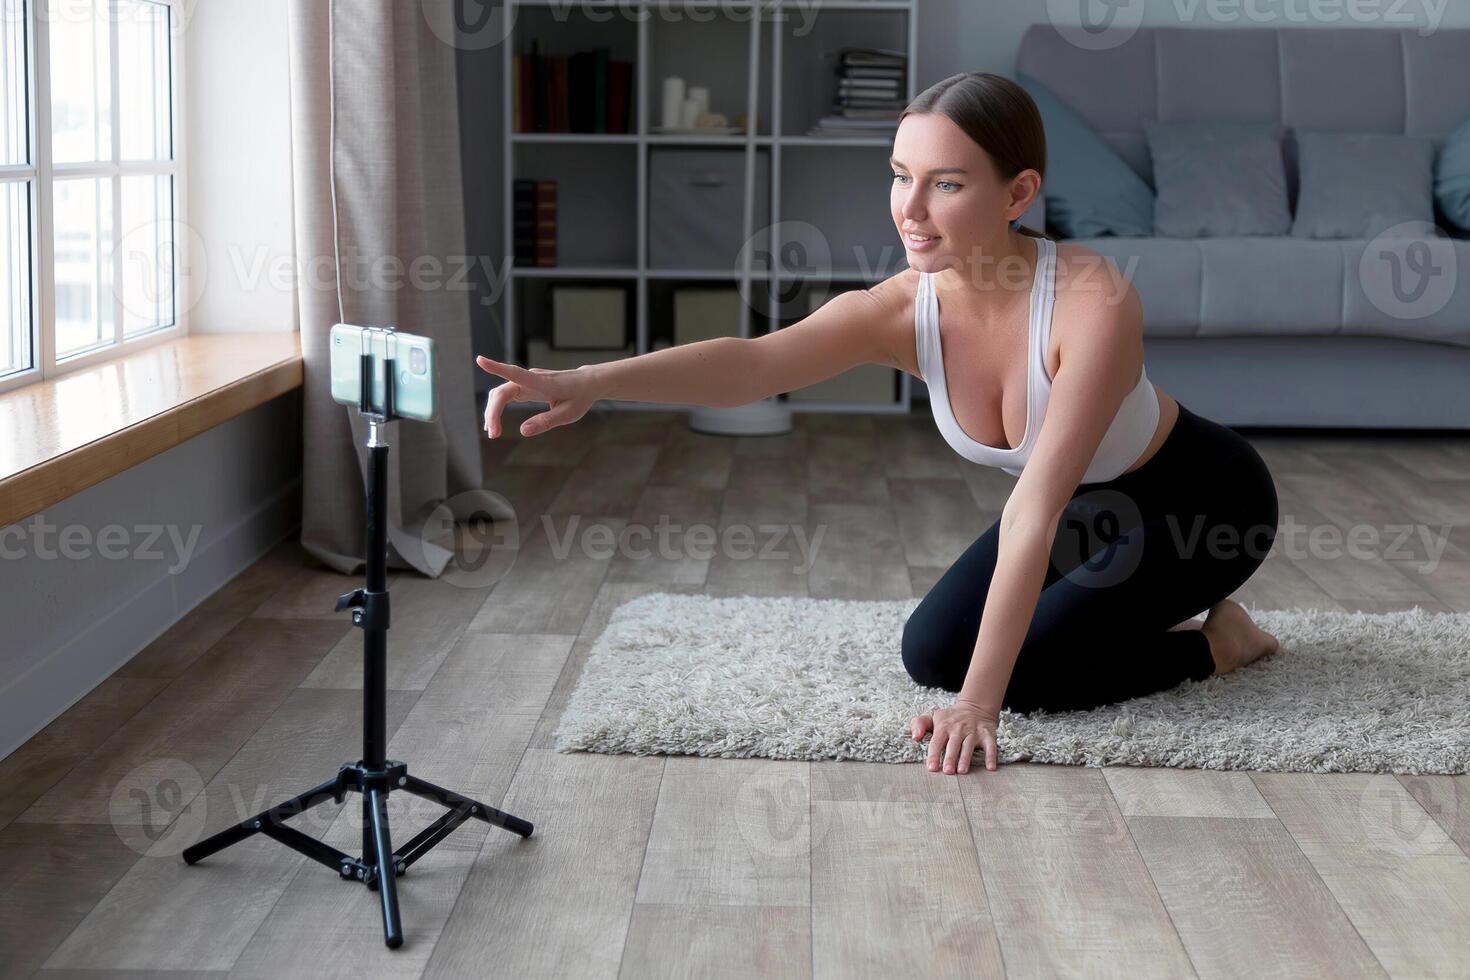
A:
x,y
90,200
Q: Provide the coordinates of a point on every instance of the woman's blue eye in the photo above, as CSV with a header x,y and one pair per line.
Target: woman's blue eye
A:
x,y
950,183
899,177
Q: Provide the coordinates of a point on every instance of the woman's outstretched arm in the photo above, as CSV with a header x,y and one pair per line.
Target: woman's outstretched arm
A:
x,y
723,372
855,327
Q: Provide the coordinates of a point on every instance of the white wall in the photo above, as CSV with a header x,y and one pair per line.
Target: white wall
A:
x,y
238,132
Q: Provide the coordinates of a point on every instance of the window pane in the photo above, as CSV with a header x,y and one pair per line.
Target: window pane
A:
x,y
143,79
147,254
81,81
84,298
15,276
13,148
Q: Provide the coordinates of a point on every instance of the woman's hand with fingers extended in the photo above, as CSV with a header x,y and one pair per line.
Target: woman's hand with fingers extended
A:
x,y
567,394
957,732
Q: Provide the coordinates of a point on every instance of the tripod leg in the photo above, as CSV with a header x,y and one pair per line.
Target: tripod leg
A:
x,y
369,850
479,811
387,885
331,790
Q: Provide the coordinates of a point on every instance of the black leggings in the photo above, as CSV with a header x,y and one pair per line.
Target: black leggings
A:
x,y
1133,556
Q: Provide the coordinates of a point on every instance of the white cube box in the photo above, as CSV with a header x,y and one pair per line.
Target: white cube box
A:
x,y
541,354
588,316
702,312
870,384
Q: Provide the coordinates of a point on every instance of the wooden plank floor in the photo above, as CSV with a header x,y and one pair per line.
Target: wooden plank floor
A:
x,y
685,866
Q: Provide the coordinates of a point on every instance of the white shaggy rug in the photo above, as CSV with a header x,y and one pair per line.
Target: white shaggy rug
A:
x,y
799,678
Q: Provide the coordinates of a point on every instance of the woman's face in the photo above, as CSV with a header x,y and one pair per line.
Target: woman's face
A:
x,y
945,189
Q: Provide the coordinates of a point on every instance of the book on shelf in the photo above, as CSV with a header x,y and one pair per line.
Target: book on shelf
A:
x,y
893,85
866,95
856,125
533,203
842,126
585,91
523,221
868,102
877,74
889,115
859,57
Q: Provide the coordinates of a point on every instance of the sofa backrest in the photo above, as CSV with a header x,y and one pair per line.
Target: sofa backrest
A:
x,y
1342,78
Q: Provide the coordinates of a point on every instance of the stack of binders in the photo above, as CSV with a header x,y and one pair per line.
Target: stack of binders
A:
x,y
872,86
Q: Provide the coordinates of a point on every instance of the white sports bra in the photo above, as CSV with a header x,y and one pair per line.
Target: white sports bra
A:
x,y
1126,439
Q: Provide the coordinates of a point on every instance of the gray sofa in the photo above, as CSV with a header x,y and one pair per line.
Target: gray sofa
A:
x,y
1278,330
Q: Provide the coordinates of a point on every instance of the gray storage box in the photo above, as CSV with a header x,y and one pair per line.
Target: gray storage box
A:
x,y
696,201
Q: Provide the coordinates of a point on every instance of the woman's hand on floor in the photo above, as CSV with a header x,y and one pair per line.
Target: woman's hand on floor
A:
x,y
957,731
568,395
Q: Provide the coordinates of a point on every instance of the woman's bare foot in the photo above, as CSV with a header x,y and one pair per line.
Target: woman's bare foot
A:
x,y
1235,639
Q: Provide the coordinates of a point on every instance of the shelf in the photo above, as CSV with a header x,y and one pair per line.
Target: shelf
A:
x,y
574,137
883,141
691,274
659,139
623,204
712,52
662,139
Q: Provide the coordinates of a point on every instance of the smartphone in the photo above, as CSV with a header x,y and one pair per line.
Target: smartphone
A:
x,y
415,369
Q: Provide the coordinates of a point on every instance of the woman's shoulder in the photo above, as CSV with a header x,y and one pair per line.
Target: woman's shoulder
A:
x,y
1089,282
897,292
888,304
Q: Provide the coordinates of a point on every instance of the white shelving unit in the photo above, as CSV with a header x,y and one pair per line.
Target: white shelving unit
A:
x,y
783,38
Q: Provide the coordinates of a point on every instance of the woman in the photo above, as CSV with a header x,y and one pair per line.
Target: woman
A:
x,y
1131,513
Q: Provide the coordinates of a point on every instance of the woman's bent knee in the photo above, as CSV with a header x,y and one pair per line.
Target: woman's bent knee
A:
x,y
930,657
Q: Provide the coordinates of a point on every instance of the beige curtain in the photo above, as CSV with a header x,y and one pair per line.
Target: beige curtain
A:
x,y
398,227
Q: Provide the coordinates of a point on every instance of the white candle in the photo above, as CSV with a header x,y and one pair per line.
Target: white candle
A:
x,y
701,95
673,101
691,113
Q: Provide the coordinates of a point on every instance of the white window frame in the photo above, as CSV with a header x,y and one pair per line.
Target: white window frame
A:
x,y
41,172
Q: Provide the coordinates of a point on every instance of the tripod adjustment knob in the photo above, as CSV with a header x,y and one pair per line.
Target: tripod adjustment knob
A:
x,y
369,609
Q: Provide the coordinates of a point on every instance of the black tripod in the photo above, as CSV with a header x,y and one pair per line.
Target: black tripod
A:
x,y
374,776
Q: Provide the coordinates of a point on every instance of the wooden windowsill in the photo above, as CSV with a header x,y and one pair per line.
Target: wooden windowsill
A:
x,y
68,433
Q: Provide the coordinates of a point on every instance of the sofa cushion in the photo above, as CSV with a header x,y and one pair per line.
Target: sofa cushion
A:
x,y
1452,176
1415,288
1404,288
1164,271
1218,178
1089,189
1360,185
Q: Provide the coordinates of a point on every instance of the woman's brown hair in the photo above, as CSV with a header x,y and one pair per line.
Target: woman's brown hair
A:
x,y
997,114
